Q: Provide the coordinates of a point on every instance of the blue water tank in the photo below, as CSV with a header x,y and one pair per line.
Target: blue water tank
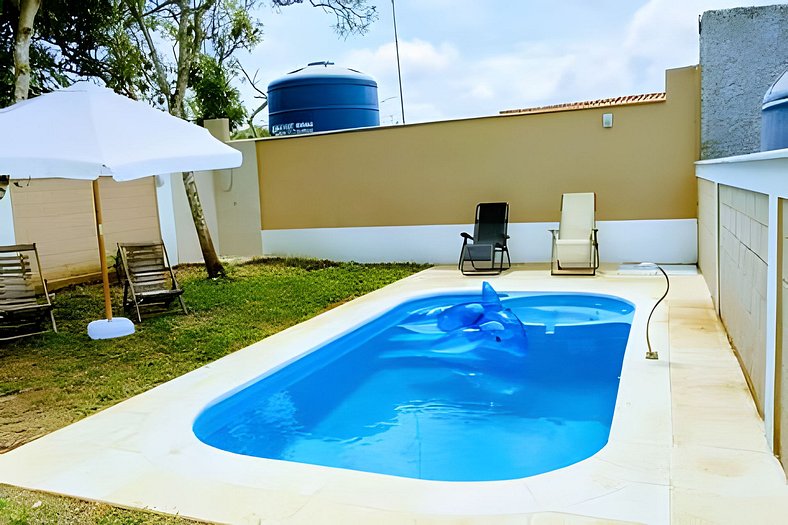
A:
x,y
322,97
774,115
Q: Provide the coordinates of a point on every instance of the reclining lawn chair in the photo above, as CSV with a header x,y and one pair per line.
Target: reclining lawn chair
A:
x,y
575,247
23,312
147,277
488,243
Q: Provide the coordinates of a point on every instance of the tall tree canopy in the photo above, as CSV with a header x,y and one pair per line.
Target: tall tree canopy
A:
x,y
70,41
179,54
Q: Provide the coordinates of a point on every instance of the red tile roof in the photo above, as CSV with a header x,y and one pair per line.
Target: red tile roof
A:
x,y
591,104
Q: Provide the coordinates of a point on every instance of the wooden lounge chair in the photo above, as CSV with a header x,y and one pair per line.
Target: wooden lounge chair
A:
x,y
23,312
147,277
575,246
488,243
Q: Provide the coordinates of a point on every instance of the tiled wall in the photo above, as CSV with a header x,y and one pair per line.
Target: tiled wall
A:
x,y
707,234
744,221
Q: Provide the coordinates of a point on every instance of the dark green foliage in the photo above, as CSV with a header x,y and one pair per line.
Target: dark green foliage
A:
x,y
74,40
214,94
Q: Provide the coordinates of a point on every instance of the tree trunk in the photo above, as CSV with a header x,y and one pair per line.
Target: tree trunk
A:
x,y
22,37
186,55
212,263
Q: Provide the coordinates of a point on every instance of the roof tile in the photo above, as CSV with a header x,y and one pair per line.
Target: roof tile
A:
x,y
591,104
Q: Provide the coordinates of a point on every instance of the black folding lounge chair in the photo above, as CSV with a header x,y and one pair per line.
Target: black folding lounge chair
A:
x,y
23,312
147,277
483,252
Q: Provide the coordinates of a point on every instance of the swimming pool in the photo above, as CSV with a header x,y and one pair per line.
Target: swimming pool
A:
x,y
450,387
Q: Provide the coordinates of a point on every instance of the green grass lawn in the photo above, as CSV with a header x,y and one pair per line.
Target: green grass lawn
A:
x,y
50,381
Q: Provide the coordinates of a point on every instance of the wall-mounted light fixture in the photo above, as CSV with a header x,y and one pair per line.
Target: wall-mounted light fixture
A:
x,y
607,120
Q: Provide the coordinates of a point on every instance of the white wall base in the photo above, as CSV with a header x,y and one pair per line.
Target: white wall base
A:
x,y
661,241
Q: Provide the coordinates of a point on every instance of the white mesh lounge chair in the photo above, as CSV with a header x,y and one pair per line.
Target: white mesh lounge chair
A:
x,y
575,247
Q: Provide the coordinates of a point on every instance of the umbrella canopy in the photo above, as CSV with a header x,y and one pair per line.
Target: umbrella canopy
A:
x,y
85,131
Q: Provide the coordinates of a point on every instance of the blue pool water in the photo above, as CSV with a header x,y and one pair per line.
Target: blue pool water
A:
x,y
450,387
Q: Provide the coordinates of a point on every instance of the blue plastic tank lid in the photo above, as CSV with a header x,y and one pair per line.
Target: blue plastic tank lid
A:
x,y
779,89
322,72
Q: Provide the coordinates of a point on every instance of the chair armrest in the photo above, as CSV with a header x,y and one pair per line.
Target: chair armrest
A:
x,y
467,236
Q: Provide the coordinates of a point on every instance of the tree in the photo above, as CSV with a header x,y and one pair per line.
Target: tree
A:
x,y
71,41
204,35
214,96
159,50
22,36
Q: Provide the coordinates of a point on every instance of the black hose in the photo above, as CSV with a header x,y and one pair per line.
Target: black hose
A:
x,y
650,354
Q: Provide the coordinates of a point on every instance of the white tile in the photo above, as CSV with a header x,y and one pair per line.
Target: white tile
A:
x,y
683,423
762,208
691,506
750,204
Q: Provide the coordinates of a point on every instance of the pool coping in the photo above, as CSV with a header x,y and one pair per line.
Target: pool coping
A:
x,y
141,453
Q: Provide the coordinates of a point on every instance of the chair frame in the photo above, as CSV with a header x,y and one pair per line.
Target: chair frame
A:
x,y
137,298
19,304
555,264
495,248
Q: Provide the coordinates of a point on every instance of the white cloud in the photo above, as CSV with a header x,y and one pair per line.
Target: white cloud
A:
x,y
465,58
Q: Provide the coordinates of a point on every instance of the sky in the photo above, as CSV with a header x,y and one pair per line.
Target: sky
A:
x,y
471,58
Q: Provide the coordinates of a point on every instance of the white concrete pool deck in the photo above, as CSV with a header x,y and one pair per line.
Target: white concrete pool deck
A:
x,y
686,445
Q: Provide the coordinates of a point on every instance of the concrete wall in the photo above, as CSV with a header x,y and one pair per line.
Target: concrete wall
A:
x,y
237,194
751,190
434,174
743,252
742,52
707,235
231,205
188,245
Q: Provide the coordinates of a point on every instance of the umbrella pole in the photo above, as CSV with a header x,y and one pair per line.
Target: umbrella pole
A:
x,y
102,254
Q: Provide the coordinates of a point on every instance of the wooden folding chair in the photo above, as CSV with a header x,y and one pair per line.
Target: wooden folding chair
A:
x,y
23,311
147,277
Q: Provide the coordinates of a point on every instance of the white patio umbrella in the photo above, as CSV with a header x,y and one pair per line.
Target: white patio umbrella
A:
x,y
86,131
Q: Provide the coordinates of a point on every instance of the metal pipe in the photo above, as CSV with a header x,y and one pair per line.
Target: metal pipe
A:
x,y
653,354
399,70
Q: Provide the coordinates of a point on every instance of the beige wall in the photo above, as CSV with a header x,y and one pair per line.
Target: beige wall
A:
x,y
781,367
707,234
57,215
743,226
435,173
